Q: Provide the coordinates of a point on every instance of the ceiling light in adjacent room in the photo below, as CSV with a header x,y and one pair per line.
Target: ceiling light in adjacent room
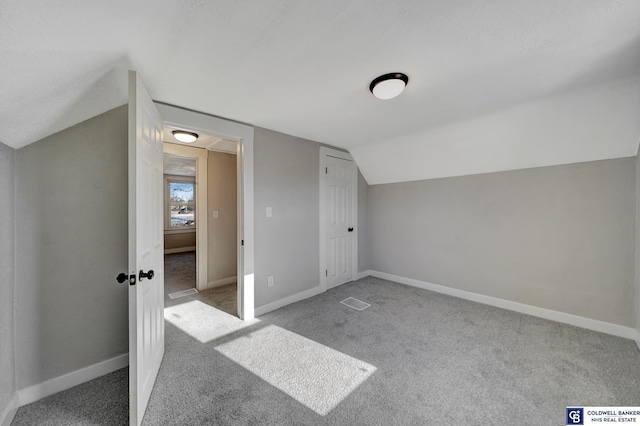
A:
x,y
183,136
388,86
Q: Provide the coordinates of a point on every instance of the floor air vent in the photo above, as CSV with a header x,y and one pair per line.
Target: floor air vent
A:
x,y
354,303
182,293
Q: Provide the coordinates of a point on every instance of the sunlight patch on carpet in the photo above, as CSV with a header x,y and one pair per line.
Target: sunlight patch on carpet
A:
x,y
311,373
203,322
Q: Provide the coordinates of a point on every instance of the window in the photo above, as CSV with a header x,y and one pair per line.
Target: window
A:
x,y
181,203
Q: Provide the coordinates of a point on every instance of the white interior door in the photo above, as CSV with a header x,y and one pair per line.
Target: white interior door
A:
x,y
339,218
146,248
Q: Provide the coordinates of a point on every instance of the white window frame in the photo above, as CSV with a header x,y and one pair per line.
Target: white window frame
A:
x,y
169,179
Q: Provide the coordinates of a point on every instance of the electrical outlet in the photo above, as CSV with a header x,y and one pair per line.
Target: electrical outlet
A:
x,y
270,281
269,212
216,214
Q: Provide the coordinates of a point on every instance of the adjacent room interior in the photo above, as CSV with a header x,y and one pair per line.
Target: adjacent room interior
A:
x,y
181,220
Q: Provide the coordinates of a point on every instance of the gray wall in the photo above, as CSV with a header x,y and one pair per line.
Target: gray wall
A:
x,y
637,251
287,244
71,198
559,237
7,241
364,262
222,195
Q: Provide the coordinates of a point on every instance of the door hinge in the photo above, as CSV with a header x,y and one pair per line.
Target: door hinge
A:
x,y
326,170
242,242
326,272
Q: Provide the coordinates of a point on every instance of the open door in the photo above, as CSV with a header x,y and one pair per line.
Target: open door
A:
x,y
146,248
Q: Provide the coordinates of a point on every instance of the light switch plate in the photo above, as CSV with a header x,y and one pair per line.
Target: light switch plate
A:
x,y
269,212
215,214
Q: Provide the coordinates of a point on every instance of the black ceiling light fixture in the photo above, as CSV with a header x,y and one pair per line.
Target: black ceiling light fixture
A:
x,y
388,86
184,136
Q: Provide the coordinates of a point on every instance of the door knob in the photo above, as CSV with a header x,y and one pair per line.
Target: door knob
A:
x,y
350,229
148,275
122,277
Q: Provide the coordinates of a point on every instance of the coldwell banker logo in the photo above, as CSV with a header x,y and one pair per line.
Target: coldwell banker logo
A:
x,y
574,416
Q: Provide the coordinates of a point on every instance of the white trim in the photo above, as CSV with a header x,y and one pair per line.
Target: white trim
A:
x,y
364,274
261,310
220,283
324,150
578,321
356,230
166,203
180,178
185,230
201,179
10,412
245,225
179,250
67,381
329,152
182,118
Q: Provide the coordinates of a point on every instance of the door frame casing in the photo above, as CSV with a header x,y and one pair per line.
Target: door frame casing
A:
x,y
243,134
324,152
200,155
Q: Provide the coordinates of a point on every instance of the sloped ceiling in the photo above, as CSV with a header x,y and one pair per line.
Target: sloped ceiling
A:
x,y
494,85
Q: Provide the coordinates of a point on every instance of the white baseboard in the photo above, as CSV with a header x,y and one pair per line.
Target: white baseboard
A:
x,y
220,283
363,274
578,321
179,250
261,310
10,412
67,381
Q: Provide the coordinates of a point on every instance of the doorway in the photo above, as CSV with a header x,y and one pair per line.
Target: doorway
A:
x,y
242,135
201,215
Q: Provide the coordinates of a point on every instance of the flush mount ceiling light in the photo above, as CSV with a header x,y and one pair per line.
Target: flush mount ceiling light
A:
x,y
183,136
388,86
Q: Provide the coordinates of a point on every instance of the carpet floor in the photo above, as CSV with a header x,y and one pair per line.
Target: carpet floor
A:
x,y
180,274
413,357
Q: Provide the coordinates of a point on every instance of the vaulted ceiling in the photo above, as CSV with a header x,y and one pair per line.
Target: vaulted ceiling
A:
x,y
494,85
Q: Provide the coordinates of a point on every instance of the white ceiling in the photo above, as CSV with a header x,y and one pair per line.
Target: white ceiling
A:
x,y
494,85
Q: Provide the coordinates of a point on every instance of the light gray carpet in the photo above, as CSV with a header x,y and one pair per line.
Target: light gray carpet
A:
x,y
413,358
103,401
